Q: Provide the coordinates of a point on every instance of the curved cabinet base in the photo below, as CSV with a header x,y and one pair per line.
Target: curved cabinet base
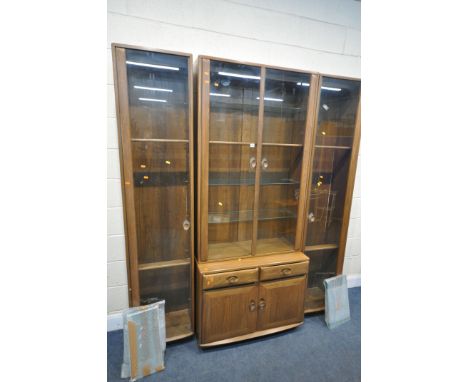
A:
x,y
251,335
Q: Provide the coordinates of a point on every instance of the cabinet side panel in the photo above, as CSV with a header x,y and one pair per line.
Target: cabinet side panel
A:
x,y
123,119
349,190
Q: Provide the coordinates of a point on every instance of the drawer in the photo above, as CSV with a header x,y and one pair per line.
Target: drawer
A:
x,y
225,279
284,270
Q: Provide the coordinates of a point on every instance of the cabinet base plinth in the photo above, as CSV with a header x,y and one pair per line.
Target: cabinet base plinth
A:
x,y
260,333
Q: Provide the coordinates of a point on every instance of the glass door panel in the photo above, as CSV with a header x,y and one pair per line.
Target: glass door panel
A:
x,y
234,107
285,113
158,108
327,192
338,105
322,265
171,284
158,95
337,112
162,200
332,155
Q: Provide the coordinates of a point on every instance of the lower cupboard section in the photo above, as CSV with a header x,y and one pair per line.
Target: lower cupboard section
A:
x,y
250,297
234,312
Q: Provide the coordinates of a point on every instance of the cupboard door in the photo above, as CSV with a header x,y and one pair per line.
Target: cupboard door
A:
x,y
286,102
281,302
330,181
231,142
228,313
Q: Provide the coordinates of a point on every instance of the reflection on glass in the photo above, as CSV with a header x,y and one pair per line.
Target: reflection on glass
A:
x,y
337,112
234,104
158,95
322,265
162,200
285,112
158,110
332,154
171,284
234,107
286,99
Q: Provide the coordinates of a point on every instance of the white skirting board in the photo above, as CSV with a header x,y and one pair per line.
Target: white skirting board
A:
x,y
353,281
114,320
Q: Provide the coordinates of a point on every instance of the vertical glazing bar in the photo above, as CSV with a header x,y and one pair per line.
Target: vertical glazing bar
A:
x,y
309,141
312,152
191,185
259,159
203,156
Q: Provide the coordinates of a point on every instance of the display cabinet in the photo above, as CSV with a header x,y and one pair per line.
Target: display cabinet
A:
x,y
334,159
254,141
154,114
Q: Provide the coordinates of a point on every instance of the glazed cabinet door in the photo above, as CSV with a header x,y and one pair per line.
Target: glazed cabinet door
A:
x,y
287,103
331,183
281,302
228,312
155,108
230,109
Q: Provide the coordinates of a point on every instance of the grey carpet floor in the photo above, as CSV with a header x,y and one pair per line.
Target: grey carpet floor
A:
x,y
310,352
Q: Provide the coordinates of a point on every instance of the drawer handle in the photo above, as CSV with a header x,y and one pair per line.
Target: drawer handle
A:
x,y
253,162
232,279
286,271
252,305
264,163
261,304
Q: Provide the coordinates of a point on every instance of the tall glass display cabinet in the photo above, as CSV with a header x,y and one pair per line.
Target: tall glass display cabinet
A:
x,y
154,113
334,160
254,144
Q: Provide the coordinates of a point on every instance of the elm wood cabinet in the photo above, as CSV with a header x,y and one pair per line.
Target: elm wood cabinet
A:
x,y
254,144
155,107
250,297
331,183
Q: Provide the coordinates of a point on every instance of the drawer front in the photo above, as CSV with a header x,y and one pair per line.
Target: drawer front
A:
x,y
284,270
219,280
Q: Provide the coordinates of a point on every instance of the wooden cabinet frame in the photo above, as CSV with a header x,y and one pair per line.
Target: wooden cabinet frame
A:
x,y
203,153
350,182
252,317
127,181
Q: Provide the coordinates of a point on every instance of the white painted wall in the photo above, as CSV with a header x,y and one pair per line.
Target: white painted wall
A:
x,y
317,35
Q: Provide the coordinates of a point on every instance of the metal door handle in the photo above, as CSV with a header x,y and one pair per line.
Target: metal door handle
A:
x,y
252,305
186,225
253,162
264,163
261,304
311,217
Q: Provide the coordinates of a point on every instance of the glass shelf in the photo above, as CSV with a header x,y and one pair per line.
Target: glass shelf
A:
x,y
163,264
160,179
243,216
248,179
